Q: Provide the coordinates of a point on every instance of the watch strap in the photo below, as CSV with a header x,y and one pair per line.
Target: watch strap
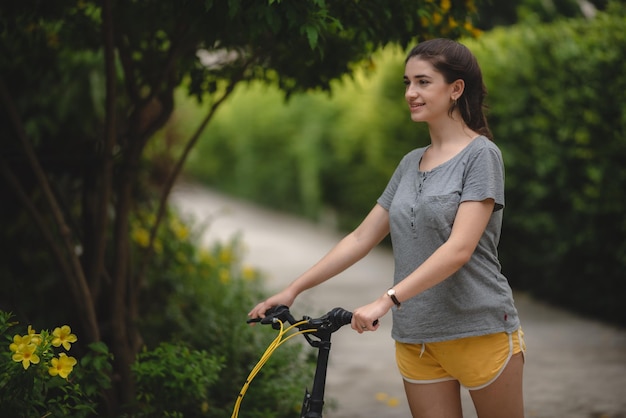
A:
x,y
392,294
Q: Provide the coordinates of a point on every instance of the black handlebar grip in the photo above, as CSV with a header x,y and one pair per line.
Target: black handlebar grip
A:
x,y
340,316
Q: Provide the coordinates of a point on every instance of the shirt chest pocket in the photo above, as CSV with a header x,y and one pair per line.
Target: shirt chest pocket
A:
x,y
438,212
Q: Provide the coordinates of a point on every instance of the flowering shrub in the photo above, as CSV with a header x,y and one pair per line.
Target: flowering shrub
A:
x,y
38,377
30,348
198,348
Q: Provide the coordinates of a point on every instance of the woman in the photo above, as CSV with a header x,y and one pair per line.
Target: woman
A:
x,y
454,320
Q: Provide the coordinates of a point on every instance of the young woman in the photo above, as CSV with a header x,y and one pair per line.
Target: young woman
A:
x,y
454,319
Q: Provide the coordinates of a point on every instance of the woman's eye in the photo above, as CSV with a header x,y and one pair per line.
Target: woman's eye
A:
x,y
424,82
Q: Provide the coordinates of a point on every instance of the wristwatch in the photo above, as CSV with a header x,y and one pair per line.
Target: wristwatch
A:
x,y
392,294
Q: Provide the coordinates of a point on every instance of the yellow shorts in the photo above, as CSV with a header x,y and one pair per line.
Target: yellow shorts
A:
x,y
474,361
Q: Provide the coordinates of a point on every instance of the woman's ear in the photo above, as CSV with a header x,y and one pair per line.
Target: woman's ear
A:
x,y
458,86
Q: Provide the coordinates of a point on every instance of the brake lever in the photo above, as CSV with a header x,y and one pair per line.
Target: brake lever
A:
x,y
273,315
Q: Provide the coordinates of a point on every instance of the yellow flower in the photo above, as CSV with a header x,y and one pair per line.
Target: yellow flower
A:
x,y
204,407
224,275
141,237
19,342
393,402
471,7
62,366
206,257
34,337
452,23
381,396
436,19
445,5
476,32
63,336
26,355
248,273
180,230
226,255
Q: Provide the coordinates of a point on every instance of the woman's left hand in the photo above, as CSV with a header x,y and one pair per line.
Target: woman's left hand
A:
x,y
366,317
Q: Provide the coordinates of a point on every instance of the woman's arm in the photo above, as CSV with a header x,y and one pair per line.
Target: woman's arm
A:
x,y
348,251
469,225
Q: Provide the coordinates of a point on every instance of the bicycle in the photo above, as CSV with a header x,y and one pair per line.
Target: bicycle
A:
x,y
317,332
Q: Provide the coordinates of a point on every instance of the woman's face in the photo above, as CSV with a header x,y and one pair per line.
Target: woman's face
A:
x,y
427,93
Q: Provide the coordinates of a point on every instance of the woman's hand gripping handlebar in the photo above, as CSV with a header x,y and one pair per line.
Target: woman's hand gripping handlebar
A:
x,y
321,328
330,322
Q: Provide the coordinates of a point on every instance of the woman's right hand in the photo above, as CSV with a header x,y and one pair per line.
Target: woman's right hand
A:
x,y
285,297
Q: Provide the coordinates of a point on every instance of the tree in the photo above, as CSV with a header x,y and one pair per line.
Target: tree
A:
x,y
85,86
499,13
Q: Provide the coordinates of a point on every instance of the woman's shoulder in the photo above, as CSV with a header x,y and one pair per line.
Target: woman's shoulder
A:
x,y
482,143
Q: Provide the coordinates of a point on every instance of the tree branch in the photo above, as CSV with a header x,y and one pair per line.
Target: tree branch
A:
x,y
40,222
104,172
171,180
82,295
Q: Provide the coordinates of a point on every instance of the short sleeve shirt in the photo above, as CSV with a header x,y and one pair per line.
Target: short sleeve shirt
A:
x,y
422,205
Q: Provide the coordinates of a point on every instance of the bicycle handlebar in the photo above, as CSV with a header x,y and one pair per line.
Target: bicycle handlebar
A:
x,y
321,328
330,322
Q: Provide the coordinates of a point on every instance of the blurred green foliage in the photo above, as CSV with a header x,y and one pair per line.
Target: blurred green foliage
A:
x,y
173,380
557,109
316,153
493,13
198,349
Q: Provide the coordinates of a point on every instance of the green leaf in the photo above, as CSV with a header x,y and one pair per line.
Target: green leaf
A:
x,y
312,35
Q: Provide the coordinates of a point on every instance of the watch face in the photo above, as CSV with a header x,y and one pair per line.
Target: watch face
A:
x,y
391,292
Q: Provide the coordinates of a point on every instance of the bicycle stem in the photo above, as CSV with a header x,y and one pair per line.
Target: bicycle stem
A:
x,y
315,401
321,328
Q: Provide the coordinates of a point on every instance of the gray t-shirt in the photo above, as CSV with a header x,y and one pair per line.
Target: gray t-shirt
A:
x,y
477,299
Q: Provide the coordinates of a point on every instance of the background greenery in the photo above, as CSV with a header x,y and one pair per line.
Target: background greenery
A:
x,y
198,349
557,109
86,235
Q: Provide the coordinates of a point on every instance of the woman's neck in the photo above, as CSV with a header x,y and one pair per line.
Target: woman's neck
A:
x,y
452,132
445,143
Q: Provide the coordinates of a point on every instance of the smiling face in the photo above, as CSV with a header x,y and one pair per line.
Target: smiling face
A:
x,y
427,93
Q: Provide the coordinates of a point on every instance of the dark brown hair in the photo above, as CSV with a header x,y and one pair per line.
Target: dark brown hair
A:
x,y
455,61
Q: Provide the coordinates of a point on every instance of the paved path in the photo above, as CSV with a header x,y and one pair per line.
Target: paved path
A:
x,y
575,368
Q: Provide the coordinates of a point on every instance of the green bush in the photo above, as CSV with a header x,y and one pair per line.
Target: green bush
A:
x,y
173,380
198,349
196,299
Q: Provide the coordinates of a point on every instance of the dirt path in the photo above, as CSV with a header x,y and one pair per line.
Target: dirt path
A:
x,y
576,368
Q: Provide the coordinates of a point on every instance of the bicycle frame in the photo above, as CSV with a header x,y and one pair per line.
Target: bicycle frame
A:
x,y
321,328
